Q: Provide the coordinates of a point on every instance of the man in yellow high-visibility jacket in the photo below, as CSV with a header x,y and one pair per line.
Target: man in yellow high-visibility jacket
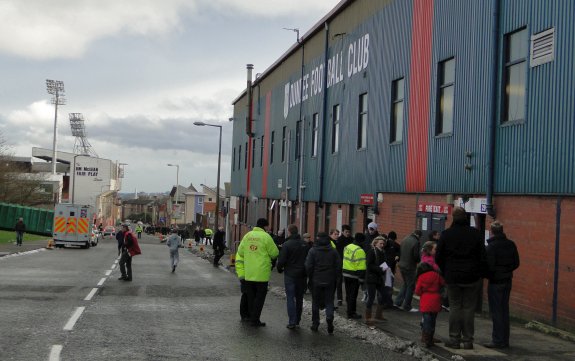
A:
x,y
257,249
353,273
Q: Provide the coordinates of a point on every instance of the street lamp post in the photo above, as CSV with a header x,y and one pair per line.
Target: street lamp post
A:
x,y
177,180
201,124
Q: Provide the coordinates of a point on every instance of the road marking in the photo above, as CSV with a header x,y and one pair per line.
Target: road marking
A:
x,y
116,261
109,272
102,280
113,266
91,294
55,353
72,321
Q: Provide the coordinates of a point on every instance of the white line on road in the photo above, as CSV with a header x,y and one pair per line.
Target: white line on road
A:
x,y
91,294
102,280
116,261
72,321
113,266
109,272
55,353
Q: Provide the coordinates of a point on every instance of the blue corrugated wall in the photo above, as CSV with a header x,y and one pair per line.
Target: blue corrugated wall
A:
x,y
534,157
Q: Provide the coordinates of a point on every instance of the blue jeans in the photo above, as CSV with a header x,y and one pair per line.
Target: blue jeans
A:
x,y
498,295
295,287
405,295
322,295
19,237
428,322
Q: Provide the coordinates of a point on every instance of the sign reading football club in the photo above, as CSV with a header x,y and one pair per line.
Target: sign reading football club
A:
x,y
346,63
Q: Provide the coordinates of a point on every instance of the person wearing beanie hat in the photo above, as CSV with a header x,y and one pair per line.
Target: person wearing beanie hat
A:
x,y
462,258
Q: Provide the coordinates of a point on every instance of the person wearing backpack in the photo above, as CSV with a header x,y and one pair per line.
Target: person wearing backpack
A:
x,y
130,249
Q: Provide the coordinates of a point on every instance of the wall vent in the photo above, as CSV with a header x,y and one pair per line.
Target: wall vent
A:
x,y
542,47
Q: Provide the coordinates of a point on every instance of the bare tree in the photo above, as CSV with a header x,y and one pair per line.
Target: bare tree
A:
x,y
17,184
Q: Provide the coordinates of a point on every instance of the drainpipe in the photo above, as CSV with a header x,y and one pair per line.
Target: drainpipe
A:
x,y
493,121
249,132
556,270
302,137
324,117
287,187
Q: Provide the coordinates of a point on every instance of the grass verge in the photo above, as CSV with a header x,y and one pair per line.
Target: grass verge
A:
x,y
10,237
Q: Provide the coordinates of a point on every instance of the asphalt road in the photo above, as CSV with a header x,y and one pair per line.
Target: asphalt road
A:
x,y
68,304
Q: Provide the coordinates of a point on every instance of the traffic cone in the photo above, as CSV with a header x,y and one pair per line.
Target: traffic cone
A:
x,y
50,244
232,260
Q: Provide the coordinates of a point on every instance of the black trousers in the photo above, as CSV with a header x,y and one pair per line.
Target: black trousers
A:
x,y
339,286
218,254
256,292
498,295
351,291
244,307
126,265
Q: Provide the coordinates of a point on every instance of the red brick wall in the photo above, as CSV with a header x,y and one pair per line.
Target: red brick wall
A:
x,y
528,220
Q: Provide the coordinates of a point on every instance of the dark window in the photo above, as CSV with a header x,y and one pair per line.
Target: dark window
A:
x,y
262,152
397,95
314,133
240,157
284,143
515,74
253,152
246,157
335,129
362,122
446,83
298,131
272,140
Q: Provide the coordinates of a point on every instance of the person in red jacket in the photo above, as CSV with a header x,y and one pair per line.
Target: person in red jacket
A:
x,y
130,249
428,288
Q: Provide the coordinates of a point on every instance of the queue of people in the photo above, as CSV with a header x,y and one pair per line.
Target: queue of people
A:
x,y
447,268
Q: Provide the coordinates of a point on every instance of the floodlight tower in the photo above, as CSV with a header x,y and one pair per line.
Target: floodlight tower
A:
x,y
81,144
55,88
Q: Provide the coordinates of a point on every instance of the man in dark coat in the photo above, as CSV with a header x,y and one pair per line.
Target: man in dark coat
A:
x,y
20,228
219,245
502,260
461,257
392,252
408,260
291,262
343,241
323,266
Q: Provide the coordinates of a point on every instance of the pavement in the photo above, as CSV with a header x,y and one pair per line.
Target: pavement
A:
x,y
529,341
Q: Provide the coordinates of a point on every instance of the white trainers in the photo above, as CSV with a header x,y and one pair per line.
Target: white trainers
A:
x,y
414,310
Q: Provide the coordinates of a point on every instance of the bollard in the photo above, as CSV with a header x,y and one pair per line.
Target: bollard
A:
x,y
202,248
190,244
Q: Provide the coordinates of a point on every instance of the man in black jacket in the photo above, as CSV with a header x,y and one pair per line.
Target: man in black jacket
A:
x,y
392,252
323,265
502,260
461,257
291,262
342,242
219,245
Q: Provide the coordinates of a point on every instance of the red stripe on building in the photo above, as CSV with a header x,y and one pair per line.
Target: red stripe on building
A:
x,y
419,95
267,140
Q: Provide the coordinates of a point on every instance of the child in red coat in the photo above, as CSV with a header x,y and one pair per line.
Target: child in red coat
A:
x,y
428,288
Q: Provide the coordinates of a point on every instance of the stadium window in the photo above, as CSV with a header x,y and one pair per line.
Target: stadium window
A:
x,y
514,76
397,96
284,143
272,140
335,129
446,90
246,157
314,134
362,122
262,152
253,152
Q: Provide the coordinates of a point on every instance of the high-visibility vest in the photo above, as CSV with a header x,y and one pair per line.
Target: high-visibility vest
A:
x,y
354,261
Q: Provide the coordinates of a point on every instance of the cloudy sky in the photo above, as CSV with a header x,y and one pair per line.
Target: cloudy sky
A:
x,y
141,72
